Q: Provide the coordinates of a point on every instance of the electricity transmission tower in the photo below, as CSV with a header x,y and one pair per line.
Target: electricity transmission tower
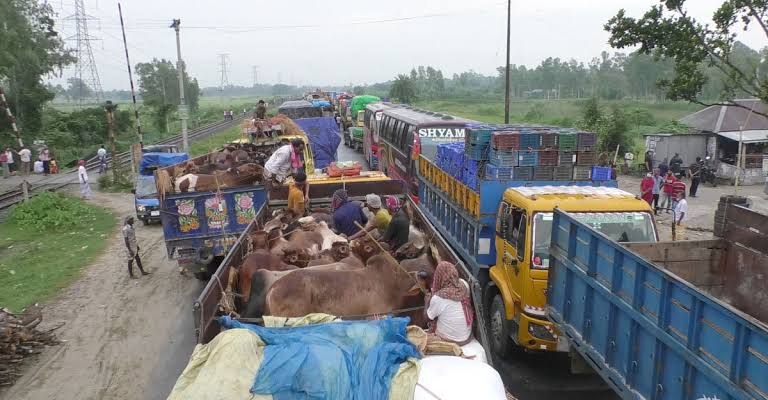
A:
x,y
85,69
255,75
223,69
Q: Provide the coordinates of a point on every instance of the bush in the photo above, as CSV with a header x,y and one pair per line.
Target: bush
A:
x,y
107,184
51,211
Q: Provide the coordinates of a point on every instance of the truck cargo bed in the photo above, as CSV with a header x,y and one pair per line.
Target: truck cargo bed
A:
x,y
654,320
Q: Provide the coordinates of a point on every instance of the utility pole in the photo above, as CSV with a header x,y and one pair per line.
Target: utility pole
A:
x,y
110,109
183,111
506,66
130,78
223,69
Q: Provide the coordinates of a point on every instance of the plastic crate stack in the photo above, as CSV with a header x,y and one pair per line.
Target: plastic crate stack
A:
x,y
477,141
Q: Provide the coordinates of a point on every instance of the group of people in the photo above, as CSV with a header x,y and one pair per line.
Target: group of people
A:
x,y
23,167
229,115
667,193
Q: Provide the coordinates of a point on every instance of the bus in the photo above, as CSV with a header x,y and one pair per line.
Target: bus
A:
x,y
408,132
371,128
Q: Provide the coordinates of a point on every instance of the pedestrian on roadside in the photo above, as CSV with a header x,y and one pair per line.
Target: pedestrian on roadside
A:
x,y
646,188
45,157
25,155
681,215
668,191
664,167
658,183
694,172
82,175
11,165
132,246
102,155
649,160
4,161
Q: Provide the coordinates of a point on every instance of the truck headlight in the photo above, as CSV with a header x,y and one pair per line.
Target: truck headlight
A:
x,y
540,332
141,208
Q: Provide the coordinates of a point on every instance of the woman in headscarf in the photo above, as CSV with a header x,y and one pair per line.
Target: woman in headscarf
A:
x,y
448,304
346,214
82,175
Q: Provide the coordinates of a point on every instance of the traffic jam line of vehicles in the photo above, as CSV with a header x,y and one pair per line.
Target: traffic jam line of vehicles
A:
x,y
557,259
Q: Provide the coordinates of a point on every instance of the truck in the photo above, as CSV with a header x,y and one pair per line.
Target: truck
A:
x,y
146,199
666,320
199,228
499,226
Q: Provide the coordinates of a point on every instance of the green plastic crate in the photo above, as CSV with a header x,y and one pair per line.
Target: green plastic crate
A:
x,y
566,142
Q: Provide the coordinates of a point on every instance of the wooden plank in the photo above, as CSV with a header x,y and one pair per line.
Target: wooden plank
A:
x,y
746,236
746,282
747,218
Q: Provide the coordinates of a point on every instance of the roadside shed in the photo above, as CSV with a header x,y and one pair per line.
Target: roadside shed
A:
x,y
730,125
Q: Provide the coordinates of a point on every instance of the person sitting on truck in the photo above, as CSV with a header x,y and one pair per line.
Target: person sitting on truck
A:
x,y
448,305
380,220
296,203
399,226
346,214
261,110
283,162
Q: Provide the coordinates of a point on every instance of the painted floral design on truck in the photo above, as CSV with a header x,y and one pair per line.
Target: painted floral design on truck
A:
x,y
216,213
244,208
188,219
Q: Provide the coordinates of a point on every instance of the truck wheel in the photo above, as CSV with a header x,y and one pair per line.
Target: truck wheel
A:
x,y
499,328
145,222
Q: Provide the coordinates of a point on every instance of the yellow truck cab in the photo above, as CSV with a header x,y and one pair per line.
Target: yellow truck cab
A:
x,y
518,288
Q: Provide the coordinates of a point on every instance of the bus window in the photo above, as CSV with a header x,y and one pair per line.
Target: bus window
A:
x,y
402,141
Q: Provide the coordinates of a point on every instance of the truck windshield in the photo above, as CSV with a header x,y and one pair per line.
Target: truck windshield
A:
x,y
146,188
619,226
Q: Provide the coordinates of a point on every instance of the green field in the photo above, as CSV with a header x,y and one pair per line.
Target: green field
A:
x,y
214,142
35,265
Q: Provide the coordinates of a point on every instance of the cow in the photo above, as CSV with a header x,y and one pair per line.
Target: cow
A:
x,y
337,252
379,288
365,248
244,175
259,259
262,280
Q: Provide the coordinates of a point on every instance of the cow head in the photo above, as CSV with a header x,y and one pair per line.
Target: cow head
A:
x,y
297,257
410,250
340,250
364,248
258,240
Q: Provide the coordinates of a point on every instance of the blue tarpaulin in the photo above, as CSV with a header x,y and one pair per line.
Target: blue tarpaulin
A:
x,y
341,360
323,134
152,161
321,103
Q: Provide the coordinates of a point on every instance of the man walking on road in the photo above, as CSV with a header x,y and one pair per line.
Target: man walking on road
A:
x,y
82,176
132,247
694,171
681,215
102,154
25,155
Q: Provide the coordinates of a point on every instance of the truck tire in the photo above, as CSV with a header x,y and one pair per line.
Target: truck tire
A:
x,y
499,328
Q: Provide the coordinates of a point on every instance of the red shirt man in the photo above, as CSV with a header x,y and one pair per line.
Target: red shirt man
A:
x,y
678,187
669,182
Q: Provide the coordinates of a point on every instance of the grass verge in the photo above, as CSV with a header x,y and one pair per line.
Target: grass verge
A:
x,y
214,142
36,263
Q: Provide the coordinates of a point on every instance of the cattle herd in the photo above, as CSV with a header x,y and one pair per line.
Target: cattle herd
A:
x,y
232,166
295,267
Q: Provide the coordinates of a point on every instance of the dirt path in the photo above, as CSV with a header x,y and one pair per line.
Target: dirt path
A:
x,y
124,339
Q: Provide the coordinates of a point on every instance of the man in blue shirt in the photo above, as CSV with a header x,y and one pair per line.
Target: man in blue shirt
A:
x,y
346,213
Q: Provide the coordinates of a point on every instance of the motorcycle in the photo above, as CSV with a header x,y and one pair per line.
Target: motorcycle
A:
x,y
708,174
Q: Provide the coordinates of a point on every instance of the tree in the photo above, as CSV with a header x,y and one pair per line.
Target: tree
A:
x,y
403,89
591,114
77,89
669,31
159,89
30,48
358,90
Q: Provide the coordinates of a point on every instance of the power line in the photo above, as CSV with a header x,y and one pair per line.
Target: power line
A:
x,y
86,71
223,69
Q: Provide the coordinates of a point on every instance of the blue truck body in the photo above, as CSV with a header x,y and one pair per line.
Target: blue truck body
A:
x,y
652,334
146,199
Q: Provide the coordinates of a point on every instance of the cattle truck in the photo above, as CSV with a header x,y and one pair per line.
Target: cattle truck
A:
x,y
200,227
667,320
206,307
500,229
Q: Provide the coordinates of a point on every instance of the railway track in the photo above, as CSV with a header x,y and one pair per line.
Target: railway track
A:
x,y
9,198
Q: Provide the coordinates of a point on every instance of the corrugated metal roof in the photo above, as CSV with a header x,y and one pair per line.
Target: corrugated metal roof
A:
x,y
755,136
718,119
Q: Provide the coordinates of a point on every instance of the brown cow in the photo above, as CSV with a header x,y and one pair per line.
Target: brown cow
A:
x,y
336,253
262,280
241,176
379,288
259,259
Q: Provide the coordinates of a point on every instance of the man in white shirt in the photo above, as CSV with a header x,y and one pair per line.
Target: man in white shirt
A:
x,y
681,215
82,175
25,155
283,162
102,154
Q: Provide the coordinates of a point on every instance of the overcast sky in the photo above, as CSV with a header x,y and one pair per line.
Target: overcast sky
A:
x,y
350,41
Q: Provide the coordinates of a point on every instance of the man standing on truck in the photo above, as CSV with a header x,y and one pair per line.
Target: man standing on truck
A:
x,y
132,246
296,196
283,162
681,214
261,110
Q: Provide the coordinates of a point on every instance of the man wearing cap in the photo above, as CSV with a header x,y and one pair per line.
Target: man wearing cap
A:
x,y
381,217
